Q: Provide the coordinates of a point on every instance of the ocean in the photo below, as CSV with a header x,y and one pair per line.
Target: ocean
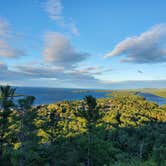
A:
x,y
153,98
52,95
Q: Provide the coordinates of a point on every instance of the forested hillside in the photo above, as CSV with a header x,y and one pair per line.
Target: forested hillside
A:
x,y
125,130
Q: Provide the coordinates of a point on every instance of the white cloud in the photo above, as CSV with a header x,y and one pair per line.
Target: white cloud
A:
x,y
54,10
6,50
92,70
148,47
38,71
74,29
4,28
58,50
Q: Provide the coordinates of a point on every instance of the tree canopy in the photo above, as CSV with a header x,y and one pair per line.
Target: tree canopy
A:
x,y
125,130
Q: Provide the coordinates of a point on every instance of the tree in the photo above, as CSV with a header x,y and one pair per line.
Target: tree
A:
x,y
6,103
26,124
90,112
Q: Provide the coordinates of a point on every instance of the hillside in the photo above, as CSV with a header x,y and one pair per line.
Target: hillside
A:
x,y
123,130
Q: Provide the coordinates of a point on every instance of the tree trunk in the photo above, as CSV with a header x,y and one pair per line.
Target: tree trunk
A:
x,y
22,139
89,142
141,151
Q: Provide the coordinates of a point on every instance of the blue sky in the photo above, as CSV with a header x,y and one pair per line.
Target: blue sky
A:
x,y
83,44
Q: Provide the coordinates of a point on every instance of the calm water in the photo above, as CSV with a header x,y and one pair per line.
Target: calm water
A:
x,y
150,97
51,95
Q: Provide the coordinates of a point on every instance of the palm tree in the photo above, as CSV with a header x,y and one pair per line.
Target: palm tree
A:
x,y
6,96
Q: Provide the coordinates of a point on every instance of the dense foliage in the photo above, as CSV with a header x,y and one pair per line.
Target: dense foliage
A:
x,y
124,130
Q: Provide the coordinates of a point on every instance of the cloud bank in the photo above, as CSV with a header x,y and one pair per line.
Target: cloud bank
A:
x,y
37,75
148,47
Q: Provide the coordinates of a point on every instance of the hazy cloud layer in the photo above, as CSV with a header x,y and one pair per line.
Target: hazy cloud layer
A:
x,y
42,76
59,51
148,47
54,10
40,73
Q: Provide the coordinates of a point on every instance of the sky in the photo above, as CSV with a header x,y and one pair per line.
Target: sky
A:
x,y
109,44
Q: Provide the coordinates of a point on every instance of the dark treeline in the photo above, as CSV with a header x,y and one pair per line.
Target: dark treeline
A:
x,y
125,130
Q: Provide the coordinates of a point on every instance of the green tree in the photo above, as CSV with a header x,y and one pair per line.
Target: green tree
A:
x,y
27,135
6,104
90,112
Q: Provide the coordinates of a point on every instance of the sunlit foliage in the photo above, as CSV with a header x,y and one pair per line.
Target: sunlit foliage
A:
x,y
123,130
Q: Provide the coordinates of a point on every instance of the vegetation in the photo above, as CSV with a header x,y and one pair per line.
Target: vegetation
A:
x,y
123,93
124,130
